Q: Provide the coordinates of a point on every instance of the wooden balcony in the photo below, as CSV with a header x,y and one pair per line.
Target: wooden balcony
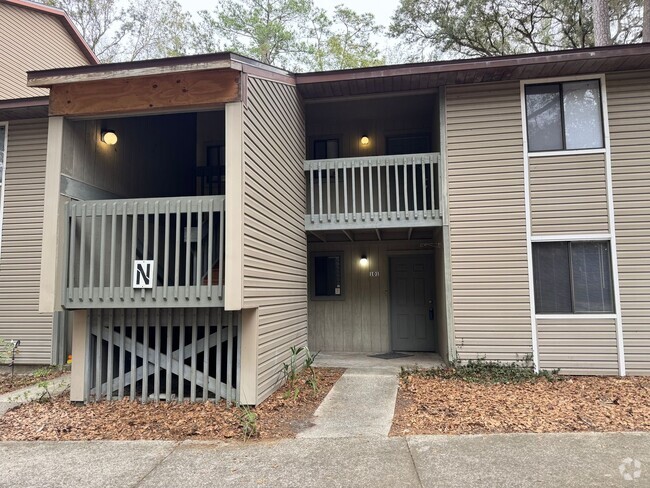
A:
x,y
183,236
373,192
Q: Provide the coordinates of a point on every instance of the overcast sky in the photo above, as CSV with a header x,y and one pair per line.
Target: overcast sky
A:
x,y
383,9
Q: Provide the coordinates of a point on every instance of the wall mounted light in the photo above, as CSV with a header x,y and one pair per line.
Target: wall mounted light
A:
x,y
365,140
363,261
109,137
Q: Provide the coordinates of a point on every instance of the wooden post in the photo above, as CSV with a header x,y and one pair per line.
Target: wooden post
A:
x,y
80,332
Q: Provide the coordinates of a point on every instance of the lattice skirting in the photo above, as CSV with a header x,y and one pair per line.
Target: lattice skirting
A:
x,y
163,355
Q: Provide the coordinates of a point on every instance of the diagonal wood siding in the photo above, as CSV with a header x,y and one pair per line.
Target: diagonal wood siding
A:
x,y
568,194
275,245
32,40
20,254
487,221
629,124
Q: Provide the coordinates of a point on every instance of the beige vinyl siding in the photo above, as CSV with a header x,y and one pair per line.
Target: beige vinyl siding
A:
x,y
275,245
32,40
20,254
568,194
487,221
629,124
578,346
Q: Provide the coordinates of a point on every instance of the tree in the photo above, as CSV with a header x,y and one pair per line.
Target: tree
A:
x,y
602,35
98,22
345,41
155,29
291,34
501,27
267,30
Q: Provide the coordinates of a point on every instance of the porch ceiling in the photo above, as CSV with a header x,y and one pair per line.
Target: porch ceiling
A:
x,y
400,234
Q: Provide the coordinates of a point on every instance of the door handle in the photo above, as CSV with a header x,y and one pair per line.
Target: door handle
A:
x,y
431,314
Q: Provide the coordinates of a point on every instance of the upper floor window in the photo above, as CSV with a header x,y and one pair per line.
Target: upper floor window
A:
x,y
564,116
326,148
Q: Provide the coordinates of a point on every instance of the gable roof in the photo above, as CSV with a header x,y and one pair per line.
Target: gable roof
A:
x,y
65,21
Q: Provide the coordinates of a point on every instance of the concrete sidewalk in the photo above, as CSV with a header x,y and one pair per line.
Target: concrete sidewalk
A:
x,y
508,460
33,392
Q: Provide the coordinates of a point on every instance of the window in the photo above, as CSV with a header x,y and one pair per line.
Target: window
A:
x,y
409,144
326,148
572,277
564,116
327,276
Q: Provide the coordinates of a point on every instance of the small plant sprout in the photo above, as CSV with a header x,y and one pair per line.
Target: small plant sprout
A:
x,y
248,422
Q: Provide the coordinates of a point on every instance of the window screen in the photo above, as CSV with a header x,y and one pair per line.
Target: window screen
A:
x,y
564,116
552,280
592,282
572,277
544,115
327,276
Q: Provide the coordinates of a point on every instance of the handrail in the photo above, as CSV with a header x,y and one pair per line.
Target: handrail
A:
x,y
373,192
105,237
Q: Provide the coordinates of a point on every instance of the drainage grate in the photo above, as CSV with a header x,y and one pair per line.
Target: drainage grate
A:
x,y
390,355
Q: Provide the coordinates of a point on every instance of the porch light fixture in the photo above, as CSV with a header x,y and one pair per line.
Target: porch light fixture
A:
x,y
363,261
109,137
365,140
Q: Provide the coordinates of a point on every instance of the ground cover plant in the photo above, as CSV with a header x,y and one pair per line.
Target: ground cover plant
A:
x,y
480,396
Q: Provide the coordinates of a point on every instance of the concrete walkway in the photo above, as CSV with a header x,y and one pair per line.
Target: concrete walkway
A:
x,y
509,460
30,393
362,402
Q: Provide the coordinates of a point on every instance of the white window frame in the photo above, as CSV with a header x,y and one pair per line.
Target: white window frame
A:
x,y
3,176
610,235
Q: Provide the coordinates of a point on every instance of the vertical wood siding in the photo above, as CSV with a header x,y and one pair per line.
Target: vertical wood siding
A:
x,y
487,221
578,346
568,194
629,124
275,245
20,254
32,40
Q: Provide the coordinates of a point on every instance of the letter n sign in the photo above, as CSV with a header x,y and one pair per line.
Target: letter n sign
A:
x,y
143,274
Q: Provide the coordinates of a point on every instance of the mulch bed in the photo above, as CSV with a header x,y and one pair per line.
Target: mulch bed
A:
x,y
436,405
279,416
7,383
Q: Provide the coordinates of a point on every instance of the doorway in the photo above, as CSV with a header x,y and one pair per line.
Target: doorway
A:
x,y
412,303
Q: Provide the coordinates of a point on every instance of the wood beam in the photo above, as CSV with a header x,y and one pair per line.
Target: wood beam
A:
x,y
348,235
378,234
318,236
175,91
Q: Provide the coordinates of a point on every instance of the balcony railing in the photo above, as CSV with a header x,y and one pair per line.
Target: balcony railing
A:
x,y
183,237
373,192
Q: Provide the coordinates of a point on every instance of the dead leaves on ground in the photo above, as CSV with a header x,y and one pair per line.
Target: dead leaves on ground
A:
x,y
431,405
126,420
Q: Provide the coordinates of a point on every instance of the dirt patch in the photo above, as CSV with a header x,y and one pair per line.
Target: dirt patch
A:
x,y
443,405
18,381
277,417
